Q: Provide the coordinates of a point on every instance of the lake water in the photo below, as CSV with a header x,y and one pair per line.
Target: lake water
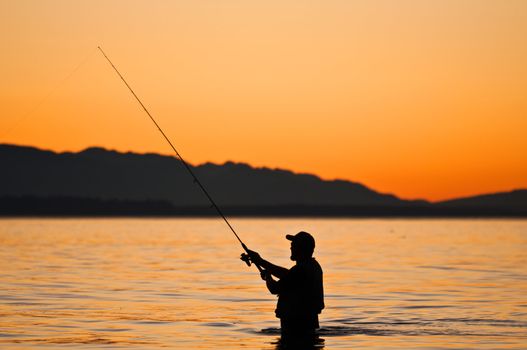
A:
x,y
178,283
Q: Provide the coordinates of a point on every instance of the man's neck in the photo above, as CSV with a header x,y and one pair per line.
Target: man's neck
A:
x,y
304,260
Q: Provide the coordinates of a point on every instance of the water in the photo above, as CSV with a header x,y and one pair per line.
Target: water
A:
x,y
178,283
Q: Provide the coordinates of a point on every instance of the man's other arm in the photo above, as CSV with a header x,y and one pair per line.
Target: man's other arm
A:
x,y
272,285
275,270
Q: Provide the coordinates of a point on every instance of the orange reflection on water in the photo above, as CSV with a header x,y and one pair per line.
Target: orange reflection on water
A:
x,y
152,283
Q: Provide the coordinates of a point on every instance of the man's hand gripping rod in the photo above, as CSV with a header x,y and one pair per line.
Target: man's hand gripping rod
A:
x,y
245,257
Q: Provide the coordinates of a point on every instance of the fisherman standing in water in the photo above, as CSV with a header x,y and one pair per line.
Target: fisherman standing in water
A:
x,y
299,289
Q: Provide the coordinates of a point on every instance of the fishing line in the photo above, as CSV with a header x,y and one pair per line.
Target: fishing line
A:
x,y
196,180
53,89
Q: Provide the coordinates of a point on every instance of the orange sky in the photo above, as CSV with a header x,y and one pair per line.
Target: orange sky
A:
x,y
423,99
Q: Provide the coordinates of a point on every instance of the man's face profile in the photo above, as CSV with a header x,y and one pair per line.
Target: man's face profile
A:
x,y
294,251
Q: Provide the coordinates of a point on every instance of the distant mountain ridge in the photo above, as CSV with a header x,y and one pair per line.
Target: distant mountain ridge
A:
x,y
513,199
129,179
100,173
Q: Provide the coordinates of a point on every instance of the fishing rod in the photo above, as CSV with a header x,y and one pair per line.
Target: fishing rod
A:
x,y
245,257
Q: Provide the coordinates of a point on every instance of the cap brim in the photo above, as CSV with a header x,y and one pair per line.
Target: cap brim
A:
x,y
290,237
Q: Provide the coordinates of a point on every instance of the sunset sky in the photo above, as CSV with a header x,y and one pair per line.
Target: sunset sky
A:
x,y
422,99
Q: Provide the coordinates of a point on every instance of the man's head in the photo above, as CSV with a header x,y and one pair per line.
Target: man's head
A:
x,y
302,245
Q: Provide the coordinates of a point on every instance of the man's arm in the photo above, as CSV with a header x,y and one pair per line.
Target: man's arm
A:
x,y
275,270
272,285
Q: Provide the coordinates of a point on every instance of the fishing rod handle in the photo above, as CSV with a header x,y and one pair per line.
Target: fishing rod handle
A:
x,y
247,260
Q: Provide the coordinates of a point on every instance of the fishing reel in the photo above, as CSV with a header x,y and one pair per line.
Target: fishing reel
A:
x,y
246,258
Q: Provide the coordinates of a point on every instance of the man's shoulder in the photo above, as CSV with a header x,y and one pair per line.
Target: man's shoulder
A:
x,y
309,267
316,264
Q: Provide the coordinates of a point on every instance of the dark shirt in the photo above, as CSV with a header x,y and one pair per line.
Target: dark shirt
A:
x,y
301,292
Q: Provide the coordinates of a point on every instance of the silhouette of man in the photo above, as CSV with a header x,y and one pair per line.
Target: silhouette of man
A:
x,y
299,289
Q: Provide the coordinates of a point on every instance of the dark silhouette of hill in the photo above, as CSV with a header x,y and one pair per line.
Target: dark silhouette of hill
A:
x,y
514,200
99,173
102,182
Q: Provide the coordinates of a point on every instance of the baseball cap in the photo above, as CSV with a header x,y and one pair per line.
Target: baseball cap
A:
x,y
302,238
